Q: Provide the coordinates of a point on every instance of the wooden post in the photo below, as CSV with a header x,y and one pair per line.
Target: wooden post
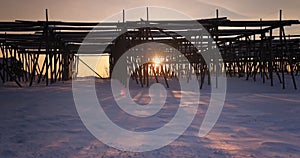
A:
x,y
123,16
141,75
155,76
147,14
281,50
216,59
147,74
271,58
163,73
36,60
47,48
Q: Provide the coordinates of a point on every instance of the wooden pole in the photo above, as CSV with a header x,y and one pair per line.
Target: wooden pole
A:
x,y
147,14
164,75
271,58
281,49
123,16
47,48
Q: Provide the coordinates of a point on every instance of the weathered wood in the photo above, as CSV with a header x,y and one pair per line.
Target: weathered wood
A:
x,y
244,54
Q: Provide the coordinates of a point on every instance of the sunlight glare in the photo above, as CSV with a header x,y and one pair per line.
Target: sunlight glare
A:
x,y
157,61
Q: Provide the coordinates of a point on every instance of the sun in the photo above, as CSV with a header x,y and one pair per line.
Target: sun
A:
x,y
157,61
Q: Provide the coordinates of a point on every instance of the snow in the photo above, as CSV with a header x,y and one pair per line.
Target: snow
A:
x,y
257,121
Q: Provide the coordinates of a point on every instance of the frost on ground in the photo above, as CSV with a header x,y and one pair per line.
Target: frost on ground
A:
x,y
257,121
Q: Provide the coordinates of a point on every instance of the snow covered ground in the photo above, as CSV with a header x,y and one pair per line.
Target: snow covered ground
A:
x,y
257,121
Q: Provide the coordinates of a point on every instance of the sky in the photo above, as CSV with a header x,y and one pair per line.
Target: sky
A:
x,y
97,10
